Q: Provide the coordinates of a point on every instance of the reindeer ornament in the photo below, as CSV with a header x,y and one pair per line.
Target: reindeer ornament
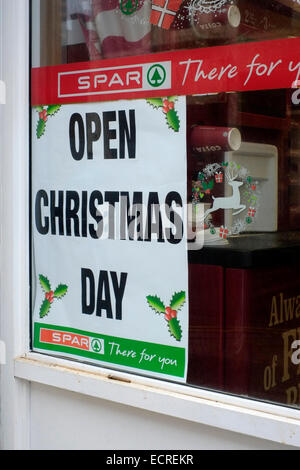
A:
x,y
229,202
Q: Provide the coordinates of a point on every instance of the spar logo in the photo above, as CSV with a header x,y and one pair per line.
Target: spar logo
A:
x,y
115,80
156,75
128,7
71,339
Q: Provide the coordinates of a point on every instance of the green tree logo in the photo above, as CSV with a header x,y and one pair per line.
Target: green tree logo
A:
x,y
156,75
96,345
128,7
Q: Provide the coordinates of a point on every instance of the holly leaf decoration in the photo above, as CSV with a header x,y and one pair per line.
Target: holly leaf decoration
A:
x,y
208,185
45,283
173,120
45,307
155,102
172,98
39,108
156,304
40,130
60,291
177,300
53,109
175,329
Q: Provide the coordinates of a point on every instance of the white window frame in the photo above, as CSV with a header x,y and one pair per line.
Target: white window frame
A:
x,y
23,367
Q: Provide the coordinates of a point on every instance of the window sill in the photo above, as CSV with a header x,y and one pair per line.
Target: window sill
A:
x,y
231,413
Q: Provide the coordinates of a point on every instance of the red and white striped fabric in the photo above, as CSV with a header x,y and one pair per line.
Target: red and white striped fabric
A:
x,y
111,33
82,10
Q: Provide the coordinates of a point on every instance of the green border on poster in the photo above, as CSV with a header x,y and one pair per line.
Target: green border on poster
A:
x,y
158,358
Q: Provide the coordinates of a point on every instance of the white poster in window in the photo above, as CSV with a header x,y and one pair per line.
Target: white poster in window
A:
x,y
109,249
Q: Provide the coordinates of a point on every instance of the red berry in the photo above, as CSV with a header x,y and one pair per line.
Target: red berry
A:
x,y
168,316
166,103
43,115
171,105
165,109
50,296
173,313
168,310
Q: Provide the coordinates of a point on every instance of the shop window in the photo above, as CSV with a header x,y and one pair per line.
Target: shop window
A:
x,y
166,203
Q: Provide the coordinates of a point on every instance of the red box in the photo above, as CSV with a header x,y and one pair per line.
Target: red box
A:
x,y
245,318
206,335
164,12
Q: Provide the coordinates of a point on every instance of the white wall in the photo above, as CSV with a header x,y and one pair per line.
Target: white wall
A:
x,y
66,420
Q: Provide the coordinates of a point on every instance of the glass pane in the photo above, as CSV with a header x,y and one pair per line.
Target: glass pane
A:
x,y
214,303
82,30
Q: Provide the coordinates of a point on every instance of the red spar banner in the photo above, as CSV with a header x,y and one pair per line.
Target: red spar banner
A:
x,y
241,67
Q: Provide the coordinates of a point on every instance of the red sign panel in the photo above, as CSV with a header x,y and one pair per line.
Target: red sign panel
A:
x,y
64,338
241,67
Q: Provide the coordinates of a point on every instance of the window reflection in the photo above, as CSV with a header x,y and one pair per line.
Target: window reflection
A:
x,y
101,29
243,159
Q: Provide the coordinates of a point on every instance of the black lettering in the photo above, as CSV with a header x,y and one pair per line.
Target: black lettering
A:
x,y
111,197
96,196
92,135
119,291
154,221
103,298
109,134
131,217
174,217
57,212
88,304
130,135
84,214
76,119
72,199
42,229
